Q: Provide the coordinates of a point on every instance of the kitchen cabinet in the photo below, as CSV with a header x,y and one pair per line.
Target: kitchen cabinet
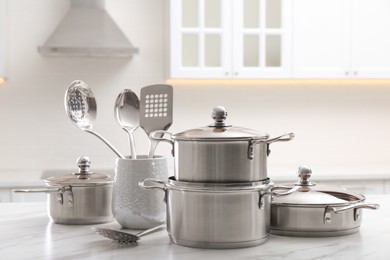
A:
x,y
2,40
341,38
230,39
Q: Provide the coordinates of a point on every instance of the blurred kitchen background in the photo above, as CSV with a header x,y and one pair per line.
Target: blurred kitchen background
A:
x,y
341,117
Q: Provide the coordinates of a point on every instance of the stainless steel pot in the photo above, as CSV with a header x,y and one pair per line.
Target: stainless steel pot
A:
x,y
220,152
80,198
315,210
216,215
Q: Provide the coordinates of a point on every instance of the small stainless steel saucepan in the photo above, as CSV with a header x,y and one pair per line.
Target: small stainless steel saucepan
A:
x,y
83,197
316,210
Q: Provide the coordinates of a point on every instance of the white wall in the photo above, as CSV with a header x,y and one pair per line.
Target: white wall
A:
x,y
340,129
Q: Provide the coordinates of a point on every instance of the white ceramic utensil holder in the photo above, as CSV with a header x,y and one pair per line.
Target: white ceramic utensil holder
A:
x,y
132,206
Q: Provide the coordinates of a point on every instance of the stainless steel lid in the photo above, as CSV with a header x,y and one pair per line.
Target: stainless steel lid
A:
x,y
83,177
308,193
219,130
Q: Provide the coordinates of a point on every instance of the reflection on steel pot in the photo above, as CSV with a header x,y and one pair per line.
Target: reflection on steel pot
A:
x,y
315,210
220,152
216,215
83,197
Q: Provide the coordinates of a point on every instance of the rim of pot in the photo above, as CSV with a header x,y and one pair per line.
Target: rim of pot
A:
x,y
217,187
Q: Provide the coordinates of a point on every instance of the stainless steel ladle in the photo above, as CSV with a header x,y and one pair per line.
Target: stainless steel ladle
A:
x,y
80,105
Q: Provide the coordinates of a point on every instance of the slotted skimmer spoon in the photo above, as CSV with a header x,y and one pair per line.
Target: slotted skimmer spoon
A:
x,y
156,111
124,237
80,105
126,112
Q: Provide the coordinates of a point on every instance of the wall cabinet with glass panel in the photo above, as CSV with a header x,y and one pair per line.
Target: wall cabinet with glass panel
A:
x,y
230,38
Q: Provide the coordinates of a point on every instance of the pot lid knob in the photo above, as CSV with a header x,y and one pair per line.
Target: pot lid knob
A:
x,y
83,162
304,173
219,115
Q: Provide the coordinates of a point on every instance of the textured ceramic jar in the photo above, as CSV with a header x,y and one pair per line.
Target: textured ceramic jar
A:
x,y
133,207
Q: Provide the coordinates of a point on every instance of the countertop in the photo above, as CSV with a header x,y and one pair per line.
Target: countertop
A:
x,y
27,233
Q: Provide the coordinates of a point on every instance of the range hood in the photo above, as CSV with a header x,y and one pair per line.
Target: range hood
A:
x,y
87,30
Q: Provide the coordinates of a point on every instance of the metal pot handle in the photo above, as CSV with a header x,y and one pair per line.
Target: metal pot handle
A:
x,y
355,207
281,138
47,190
279,194
155,184
158,136
154,136
59,190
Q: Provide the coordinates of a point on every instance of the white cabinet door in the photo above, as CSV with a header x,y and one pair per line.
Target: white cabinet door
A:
x,y
200,38
261,39
229,39
371,38
341,38
320,38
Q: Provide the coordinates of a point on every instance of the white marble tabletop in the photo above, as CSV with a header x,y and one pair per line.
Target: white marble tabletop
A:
x,y
27,233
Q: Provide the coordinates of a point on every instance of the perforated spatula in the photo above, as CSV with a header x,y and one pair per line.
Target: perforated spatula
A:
x,y
155,110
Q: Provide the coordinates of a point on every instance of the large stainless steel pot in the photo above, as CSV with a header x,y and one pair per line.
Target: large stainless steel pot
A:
x,y
216,215
220,152
83,197
315,210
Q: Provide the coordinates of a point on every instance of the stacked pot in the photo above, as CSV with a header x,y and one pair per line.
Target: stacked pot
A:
x,y
219,196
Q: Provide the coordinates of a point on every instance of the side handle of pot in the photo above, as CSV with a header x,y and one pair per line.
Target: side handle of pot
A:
x,y
59,190
158,136
46,190
271,192
355,207
154,184
281,138
287,191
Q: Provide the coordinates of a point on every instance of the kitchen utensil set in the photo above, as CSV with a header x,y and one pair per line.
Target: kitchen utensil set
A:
x,y
153,112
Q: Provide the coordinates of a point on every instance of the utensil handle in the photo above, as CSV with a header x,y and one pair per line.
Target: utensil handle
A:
x,y
152,148
106,142
132,146
151,230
